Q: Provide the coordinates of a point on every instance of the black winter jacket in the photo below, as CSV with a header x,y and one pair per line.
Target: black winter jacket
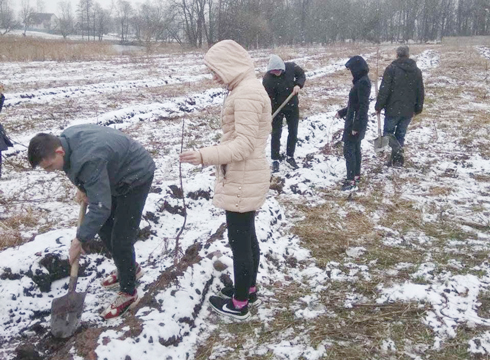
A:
x,y
356,112
4,140
280,87
103,162
402,90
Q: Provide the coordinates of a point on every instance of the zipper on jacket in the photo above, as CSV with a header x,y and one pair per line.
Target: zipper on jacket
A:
x,y
223,105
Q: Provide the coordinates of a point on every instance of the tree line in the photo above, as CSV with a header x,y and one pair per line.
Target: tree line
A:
x,y
263,23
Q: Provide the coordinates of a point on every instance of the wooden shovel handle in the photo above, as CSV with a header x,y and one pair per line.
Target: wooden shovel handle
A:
x,y
378,116
377,73
81,213
282,105
74,266
73,276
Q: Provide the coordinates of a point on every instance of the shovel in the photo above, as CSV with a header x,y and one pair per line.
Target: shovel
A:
x,y
282,105
66,311
381,142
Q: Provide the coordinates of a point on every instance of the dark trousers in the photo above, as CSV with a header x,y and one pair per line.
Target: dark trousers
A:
x,y
397,125
352,155
246,252
120,231
0,164
292,118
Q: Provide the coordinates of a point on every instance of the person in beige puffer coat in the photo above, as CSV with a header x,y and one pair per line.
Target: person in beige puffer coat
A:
x,y
242,169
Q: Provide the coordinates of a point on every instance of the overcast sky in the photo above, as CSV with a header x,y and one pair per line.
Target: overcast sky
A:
x,y
51,6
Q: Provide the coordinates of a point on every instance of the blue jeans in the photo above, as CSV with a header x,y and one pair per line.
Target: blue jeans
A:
x,y
397,125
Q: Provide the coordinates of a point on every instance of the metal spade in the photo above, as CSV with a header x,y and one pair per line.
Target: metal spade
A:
x,y
66,311
381,142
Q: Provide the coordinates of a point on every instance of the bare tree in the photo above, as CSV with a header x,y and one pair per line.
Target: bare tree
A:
x,y
65,19
7,21
84,16
193,14
102,21
26,12
151,23
256,23
124,12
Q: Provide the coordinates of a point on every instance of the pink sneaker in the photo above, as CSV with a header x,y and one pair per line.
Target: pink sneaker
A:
x,y
122,303
112,280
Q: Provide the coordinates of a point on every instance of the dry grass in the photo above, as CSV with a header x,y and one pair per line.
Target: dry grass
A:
x,y
464,41
11,228
9,237
328,234
13,48
351,333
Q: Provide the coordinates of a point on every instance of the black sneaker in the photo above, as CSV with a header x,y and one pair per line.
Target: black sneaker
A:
x,y
290,160
226,307
228,291
349,185
275,166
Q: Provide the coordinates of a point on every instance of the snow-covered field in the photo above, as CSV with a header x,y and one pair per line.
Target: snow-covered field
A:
x,y
446,181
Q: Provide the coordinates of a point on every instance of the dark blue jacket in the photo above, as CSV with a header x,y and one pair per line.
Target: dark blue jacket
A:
x,y
103,162
356,112
4,140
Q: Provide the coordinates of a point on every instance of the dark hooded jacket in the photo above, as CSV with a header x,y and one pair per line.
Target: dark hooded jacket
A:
x,y
356,112
103,162
4,140
280,87
402,90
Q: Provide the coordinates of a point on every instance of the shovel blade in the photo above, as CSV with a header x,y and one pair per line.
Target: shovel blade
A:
x,y
380,143
66,312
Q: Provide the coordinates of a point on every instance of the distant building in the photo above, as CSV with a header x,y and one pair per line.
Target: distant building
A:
x,y
42,21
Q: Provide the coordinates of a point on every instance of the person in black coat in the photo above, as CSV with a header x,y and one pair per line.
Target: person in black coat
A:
x,y
401,94
356,119
5,142
280,81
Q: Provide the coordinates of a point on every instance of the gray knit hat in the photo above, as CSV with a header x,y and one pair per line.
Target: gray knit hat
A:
x,y
402,51
276,63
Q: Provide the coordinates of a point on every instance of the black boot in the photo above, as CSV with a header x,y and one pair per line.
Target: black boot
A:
x,y
290,160
398,158
275,166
